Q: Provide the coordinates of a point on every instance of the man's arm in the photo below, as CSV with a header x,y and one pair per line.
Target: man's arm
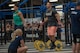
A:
x,y
46,19
58,19
22,43
22,18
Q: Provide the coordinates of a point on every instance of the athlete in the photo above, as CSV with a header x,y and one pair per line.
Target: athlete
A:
x,y
18,18
17,45
75,28
53,20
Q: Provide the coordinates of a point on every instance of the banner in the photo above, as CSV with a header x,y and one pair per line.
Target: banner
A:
x,y
33,20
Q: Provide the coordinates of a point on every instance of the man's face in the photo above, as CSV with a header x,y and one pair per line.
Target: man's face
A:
x,y
48,5
15,7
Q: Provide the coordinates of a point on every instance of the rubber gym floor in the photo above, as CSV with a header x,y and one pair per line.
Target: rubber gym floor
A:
x,y
4,49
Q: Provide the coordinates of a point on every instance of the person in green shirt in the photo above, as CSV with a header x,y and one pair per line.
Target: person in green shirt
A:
x,y
18,18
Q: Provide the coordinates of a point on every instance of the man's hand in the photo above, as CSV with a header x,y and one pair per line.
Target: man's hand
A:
x,y
41,23
61,24
24,24
45,19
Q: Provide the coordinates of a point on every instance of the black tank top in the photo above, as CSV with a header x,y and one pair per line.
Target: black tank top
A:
x,y
52,21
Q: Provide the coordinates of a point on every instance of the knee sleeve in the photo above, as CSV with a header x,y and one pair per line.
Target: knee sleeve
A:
x,y
77,40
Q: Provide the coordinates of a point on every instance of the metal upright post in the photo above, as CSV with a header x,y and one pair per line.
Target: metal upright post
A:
x,y
66,25
66,29
5,39
1,33
32,20
44,26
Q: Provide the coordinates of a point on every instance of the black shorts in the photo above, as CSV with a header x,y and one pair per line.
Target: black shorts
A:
x,y
18,27
12,51
76,38
52,24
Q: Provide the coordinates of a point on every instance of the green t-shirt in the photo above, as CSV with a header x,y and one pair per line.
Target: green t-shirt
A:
x,y
16,18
